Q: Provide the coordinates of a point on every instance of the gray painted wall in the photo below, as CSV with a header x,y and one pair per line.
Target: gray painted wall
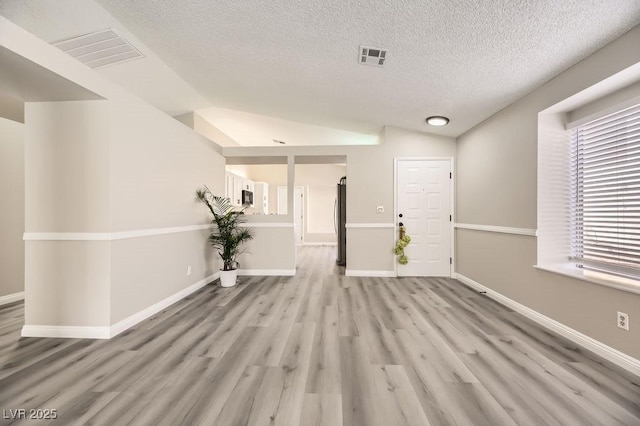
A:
x,y
370,183
155,166
67,190
104,167
12,211
496,185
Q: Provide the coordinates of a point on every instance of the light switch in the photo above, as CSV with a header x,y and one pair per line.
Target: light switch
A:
x,y
380,209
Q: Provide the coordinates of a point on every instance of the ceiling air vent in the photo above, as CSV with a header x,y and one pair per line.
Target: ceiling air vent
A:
x,y
372,56
99,49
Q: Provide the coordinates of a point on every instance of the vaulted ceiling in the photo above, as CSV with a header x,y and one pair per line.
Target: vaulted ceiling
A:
x,y
297,60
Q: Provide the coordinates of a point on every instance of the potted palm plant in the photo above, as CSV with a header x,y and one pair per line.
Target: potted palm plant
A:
x,y
227,234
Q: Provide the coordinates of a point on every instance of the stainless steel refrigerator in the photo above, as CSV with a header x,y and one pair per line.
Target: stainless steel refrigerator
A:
x,y
340,219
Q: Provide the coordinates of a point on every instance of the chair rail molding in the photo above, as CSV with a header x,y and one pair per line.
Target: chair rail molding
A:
x,y
109,236
499,229
369,225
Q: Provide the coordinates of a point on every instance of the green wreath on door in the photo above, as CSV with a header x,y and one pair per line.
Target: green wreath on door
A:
x,y
402,242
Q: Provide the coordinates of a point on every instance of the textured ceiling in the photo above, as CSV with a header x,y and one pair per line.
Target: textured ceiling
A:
x,y
298,59
150,78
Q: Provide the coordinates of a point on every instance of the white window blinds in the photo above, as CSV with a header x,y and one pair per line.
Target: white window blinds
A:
x,y
605,194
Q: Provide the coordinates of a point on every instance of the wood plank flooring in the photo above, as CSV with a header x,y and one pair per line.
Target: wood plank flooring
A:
x,y
318,349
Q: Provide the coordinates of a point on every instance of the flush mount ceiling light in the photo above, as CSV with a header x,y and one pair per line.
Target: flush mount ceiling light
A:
x,y
437,120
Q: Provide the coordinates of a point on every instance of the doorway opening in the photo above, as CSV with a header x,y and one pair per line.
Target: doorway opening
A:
x,y
318,176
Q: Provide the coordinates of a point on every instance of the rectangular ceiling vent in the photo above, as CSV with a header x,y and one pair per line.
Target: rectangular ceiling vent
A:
x,y
372,56
99,49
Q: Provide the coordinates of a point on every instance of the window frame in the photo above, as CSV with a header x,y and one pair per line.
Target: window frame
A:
x,y
605,172
553,165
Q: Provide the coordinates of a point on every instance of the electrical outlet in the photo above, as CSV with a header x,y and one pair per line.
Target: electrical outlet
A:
x,y
380,209
623,321
189,270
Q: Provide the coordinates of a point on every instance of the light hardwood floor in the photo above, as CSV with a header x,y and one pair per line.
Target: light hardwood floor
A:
x,y
318,349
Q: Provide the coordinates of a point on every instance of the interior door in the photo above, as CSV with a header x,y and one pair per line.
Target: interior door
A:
x,y
424,208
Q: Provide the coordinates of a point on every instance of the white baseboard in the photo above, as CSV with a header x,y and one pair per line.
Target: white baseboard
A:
x,y
136,318
267,272
66,331
364,273
10,298
320,244
607,352
79,332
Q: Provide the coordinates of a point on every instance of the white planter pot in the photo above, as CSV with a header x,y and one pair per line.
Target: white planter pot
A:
x,y
228,278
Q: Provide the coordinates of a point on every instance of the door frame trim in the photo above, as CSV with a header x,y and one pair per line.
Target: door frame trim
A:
x,y
303,212
451,160
303,207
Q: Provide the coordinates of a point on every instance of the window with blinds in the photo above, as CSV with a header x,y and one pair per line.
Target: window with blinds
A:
x,y
605,194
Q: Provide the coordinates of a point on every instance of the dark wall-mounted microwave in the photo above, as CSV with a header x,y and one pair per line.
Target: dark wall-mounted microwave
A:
x,y
247,197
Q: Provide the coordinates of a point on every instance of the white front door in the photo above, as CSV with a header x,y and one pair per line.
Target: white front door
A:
x,y
424,208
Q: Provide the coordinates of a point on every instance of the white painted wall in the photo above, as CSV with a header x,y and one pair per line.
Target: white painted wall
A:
x,y
12,210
